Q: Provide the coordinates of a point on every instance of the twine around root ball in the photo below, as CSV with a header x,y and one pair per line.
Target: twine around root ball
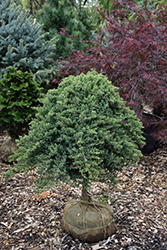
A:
x,y
88,221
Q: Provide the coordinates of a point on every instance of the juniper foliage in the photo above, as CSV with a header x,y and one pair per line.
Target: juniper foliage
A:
x,y
83,132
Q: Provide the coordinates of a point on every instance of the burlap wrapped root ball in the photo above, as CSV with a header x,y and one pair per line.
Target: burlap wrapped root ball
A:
x,y
88,221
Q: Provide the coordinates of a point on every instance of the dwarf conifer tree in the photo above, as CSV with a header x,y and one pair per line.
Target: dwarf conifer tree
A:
x,y
21,44
83,132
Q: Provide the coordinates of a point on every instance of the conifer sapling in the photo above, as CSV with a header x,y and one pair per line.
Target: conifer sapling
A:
x,y
83,132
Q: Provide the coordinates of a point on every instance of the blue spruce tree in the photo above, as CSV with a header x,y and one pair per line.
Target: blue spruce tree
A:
x,y
21,44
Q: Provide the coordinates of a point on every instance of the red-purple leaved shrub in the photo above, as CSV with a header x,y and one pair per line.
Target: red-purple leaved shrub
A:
x,y
132,52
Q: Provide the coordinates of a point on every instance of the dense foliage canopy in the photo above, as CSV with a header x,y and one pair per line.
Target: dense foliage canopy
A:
x,y
18,95
83,131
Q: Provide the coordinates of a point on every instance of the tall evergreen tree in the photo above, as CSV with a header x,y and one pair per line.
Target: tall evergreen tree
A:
x,y
21,44
68,22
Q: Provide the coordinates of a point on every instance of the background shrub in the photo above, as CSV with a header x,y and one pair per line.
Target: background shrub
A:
x,y
18,94
131,52
70,22
21,44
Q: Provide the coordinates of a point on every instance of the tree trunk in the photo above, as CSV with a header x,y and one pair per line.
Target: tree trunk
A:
x,y
85,195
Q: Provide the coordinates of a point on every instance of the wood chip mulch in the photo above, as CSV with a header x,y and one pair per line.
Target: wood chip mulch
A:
x,y
139,200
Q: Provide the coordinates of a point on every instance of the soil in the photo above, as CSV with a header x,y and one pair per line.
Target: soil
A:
x,y
33,221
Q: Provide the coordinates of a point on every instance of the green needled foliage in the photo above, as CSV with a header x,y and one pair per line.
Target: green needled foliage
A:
x,y
83,132
69,23
18,94
21,44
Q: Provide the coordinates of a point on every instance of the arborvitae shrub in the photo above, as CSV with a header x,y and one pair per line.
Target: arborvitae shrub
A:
x,y
18,94
83,131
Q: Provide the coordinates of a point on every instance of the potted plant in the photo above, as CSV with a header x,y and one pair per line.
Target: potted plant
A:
x,y
83,132
150,132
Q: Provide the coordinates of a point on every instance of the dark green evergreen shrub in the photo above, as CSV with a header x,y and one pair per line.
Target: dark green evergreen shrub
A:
x,y
69,23
18,94
83,132
21,44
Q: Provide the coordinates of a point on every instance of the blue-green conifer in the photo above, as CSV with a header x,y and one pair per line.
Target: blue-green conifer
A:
x,y
21,44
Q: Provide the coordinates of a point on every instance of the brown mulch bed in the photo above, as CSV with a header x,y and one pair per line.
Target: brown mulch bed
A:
x,y
139,201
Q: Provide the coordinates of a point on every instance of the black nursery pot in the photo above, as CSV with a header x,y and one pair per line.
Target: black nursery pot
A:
x,y
148,134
